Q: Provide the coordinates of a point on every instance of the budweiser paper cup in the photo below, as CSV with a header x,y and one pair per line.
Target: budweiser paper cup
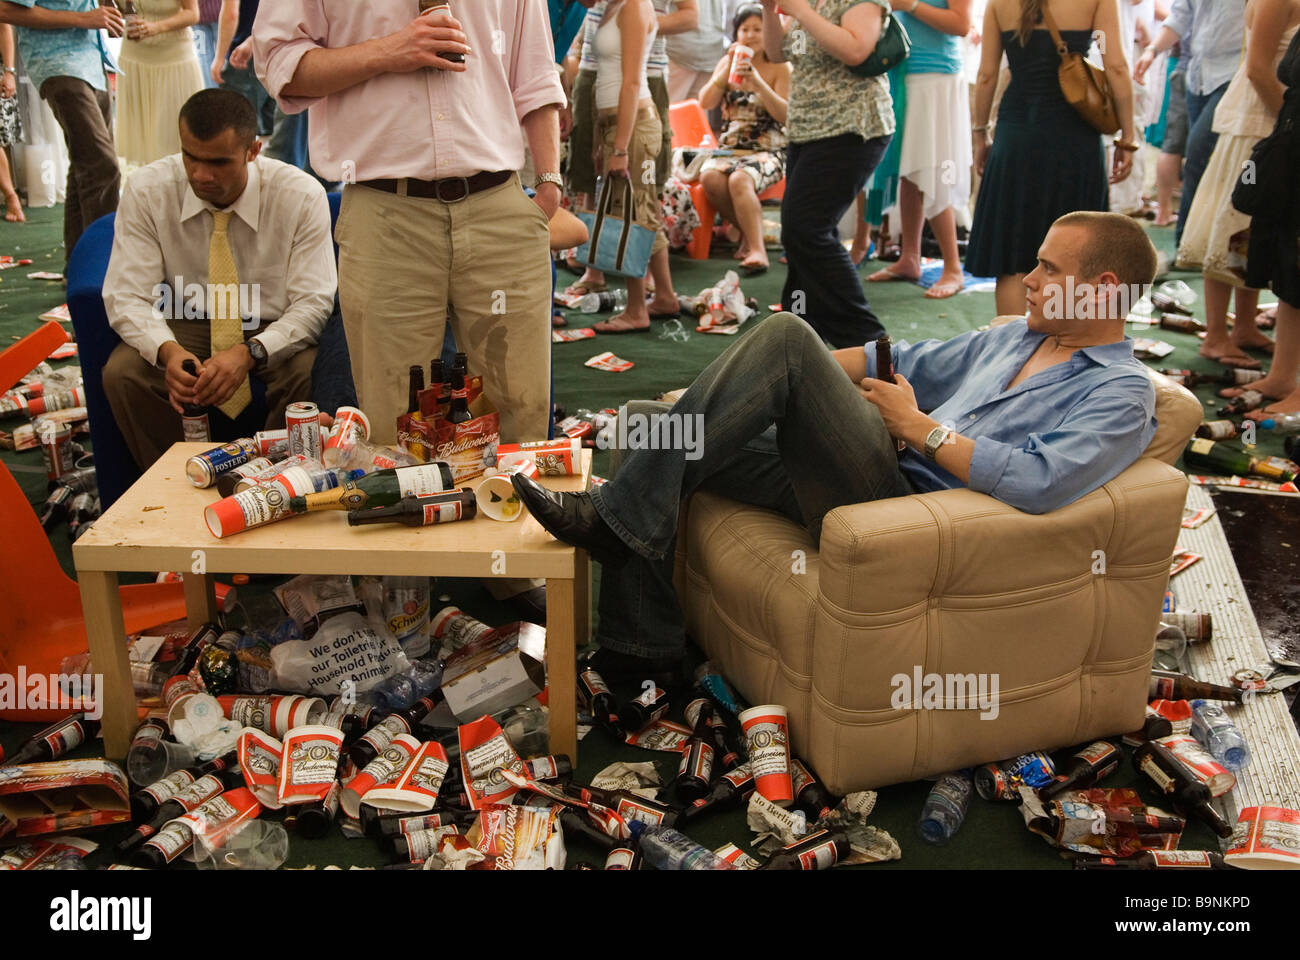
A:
x,y
496,495
350,426
766,737
740,55
253,507
1266,838
273,715
309,763
554,458
416,789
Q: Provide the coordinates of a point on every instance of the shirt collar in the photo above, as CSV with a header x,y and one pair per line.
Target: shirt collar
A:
x,y
1103,354
245,208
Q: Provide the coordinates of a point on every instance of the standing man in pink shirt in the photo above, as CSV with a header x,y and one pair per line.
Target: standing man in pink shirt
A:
x,y
434,224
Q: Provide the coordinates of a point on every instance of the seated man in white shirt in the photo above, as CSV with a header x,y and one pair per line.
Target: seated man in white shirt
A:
x,y
221,257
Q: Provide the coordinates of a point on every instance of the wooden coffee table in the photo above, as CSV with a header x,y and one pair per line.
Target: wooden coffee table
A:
x,y
158,525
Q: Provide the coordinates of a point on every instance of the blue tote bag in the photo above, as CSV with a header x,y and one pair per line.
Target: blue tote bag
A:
x,y
616,245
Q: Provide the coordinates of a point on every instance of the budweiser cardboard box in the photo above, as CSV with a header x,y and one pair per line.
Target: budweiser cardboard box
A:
x,y
470,446
505,667
64,795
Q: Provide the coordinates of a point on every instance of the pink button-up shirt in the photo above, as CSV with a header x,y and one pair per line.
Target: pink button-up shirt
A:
x,y
429,123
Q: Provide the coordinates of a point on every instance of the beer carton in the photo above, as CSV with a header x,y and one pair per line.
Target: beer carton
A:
x,y
503,668
62,795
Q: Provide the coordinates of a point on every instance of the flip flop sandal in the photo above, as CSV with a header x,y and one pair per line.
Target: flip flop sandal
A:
x,y
581,289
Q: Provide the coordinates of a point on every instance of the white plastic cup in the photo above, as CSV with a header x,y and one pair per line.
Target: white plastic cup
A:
x,y
766,731
740,55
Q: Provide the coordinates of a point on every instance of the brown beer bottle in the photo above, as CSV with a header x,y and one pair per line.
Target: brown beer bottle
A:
x,y
644,710
695,771
576,824
817,851
414,386
459,411
809,794
732,789
600,702
378,737
56,740
311,821
1167,685
1158,860
626,804
1188,795
1082,770
194,418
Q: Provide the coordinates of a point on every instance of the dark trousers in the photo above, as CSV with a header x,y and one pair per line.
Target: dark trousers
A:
x,y
1201,139
822,177
86,116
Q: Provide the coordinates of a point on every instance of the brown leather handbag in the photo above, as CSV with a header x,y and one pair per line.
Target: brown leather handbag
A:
x,y
1085,86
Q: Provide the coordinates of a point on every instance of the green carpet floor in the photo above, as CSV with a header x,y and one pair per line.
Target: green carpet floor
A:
x,y
993,836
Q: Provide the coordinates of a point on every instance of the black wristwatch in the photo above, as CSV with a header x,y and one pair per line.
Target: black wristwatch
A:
x,y
257,352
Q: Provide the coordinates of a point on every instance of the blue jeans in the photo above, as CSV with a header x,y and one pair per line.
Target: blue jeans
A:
x,y
245,82
822,177
1201,139
783,428
205,44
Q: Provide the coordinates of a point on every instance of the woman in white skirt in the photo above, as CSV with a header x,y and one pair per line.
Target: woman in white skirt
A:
x,y
1217,235
935,160
160,71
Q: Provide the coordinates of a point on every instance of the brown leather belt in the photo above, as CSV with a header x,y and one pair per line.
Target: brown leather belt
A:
x,y
450,190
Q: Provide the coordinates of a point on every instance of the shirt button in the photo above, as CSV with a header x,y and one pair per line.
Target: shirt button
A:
x,y
441,117
972,416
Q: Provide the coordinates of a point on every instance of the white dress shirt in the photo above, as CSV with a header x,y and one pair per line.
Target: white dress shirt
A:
x,y
279,234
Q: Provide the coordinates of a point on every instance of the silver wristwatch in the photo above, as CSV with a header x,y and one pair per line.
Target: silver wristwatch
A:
x,y
935,439
554,178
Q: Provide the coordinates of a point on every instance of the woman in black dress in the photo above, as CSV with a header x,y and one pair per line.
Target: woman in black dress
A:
x,y
1046,161
1273,256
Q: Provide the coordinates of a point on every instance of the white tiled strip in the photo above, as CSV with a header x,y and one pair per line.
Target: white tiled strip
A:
x,y
1212,585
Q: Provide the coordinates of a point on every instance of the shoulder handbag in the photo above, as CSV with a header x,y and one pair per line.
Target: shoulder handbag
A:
x,y
892,48
1085,86
615,244
1266,185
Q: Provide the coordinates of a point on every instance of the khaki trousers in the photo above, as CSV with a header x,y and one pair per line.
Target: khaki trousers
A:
x,y
409,265
137,394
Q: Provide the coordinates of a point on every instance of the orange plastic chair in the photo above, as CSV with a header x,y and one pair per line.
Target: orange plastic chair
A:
x,y
40,606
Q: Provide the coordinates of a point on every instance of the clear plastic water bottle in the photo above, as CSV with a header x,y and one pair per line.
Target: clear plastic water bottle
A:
x,y
1282,423
667,849
945,807
603,301
1219,735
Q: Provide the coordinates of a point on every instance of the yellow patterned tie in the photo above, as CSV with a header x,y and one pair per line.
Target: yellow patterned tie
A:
x,y
223,306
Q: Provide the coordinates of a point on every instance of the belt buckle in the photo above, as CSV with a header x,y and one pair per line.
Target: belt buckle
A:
x,y
465,189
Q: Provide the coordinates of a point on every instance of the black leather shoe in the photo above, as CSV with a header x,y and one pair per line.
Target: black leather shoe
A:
x,y
572,518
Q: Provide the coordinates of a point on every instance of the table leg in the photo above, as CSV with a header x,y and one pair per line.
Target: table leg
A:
x,y
200,599
582,597
561,674
101,606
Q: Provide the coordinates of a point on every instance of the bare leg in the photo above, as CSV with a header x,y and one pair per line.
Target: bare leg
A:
x,y
1283,378
1010,295
719,194
861,233
1169,171
665,297
1245,329
1217,344
749,217
13,206
911,211
952,279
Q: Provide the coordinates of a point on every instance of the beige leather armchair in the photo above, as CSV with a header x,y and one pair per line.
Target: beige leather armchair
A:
x,y
1061,608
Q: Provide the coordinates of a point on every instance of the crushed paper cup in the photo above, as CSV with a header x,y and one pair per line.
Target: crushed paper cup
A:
x,y
607,361
569,336
496,494
1265,838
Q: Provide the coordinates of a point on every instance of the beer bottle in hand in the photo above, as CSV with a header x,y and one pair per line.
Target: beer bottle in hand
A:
x,y
441,6
1082,770
1188,795
1167,685
194,419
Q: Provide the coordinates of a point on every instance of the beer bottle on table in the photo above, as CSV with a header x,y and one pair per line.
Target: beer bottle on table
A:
x,y
459,411
442,381
1188,795
55,740
600,702
1167,685
695,771
809,794
376,740
732,789
383,488
194,418
414,386
461,363
1082,770
644,710
817,851
421,511
1221,458
1158,860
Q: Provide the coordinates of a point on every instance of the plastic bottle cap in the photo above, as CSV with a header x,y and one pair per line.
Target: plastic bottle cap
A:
x,y
240,579
224,518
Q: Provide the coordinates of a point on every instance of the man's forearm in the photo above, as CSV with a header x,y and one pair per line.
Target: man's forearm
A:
x,y
325,71
682,20
38,18
954,454
1165,39
542,128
